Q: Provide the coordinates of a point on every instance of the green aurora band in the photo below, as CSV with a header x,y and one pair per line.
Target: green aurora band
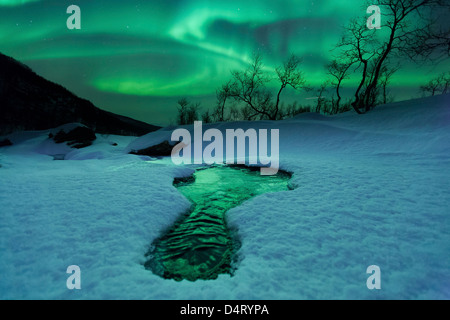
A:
x,y
138,57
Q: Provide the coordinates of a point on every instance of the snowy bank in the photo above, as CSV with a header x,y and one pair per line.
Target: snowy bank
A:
x,y
372,189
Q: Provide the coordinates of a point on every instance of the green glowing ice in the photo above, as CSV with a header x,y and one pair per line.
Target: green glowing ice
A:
x,y
200,245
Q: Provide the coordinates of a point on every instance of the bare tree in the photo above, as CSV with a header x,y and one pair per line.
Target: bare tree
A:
x,y
235,114
289,75
385,79
359,45
290,110
206,117
246,113
250,87
339,72
294,109
440,85
192,113
407,22
321,101
183,105
187,112
432,41
404,21
222,95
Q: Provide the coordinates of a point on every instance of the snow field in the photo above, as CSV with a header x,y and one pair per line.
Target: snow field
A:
x,y
371,189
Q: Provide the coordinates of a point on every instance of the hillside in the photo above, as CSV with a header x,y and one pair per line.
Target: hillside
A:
x,y
30,102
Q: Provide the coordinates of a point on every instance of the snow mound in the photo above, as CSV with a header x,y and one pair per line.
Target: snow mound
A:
x,y
372,189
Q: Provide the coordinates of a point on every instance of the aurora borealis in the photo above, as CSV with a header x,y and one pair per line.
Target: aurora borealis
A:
x,y
137,58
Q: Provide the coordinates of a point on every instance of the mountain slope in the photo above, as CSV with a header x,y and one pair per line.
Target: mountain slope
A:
x,y
30,102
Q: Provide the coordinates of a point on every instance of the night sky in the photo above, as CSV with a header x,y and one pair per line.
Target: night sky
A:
x,y
137,58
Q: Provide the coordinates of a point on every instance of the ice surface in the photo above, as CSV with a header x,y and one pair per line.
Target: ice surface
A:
x,y
371,190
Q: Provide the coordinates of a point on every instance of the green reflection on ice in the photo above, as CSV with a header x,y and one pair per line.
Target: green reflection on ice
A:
x,y
200,245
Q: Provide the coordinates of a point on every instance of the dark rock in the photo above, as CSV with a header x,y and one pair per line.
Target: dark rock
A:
x,y
5,143
178,182
163,149
78,138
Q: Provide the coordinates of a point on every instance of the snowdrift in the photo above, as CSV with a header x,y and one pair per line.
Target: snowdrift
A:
x,y
372,189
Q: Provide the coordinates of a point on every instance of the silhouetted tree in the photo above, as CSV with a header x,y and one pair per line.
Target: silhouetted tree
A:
x,y
249,87
292,110
432,41
385,78
358,44
405,19
339,72
289,75
187,112
183,105
192,113
222,95
235,114
321,101
407,23
440,85
206,117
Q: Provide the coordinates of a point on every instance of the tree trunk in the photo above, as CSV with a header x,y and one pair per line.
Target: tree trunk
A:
x,y
278,101
355,104
223,109
373,84
338,97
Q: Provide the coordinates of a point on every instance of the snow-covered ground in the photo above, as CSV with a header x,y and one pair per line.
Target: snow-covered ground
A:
x,y
372,189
